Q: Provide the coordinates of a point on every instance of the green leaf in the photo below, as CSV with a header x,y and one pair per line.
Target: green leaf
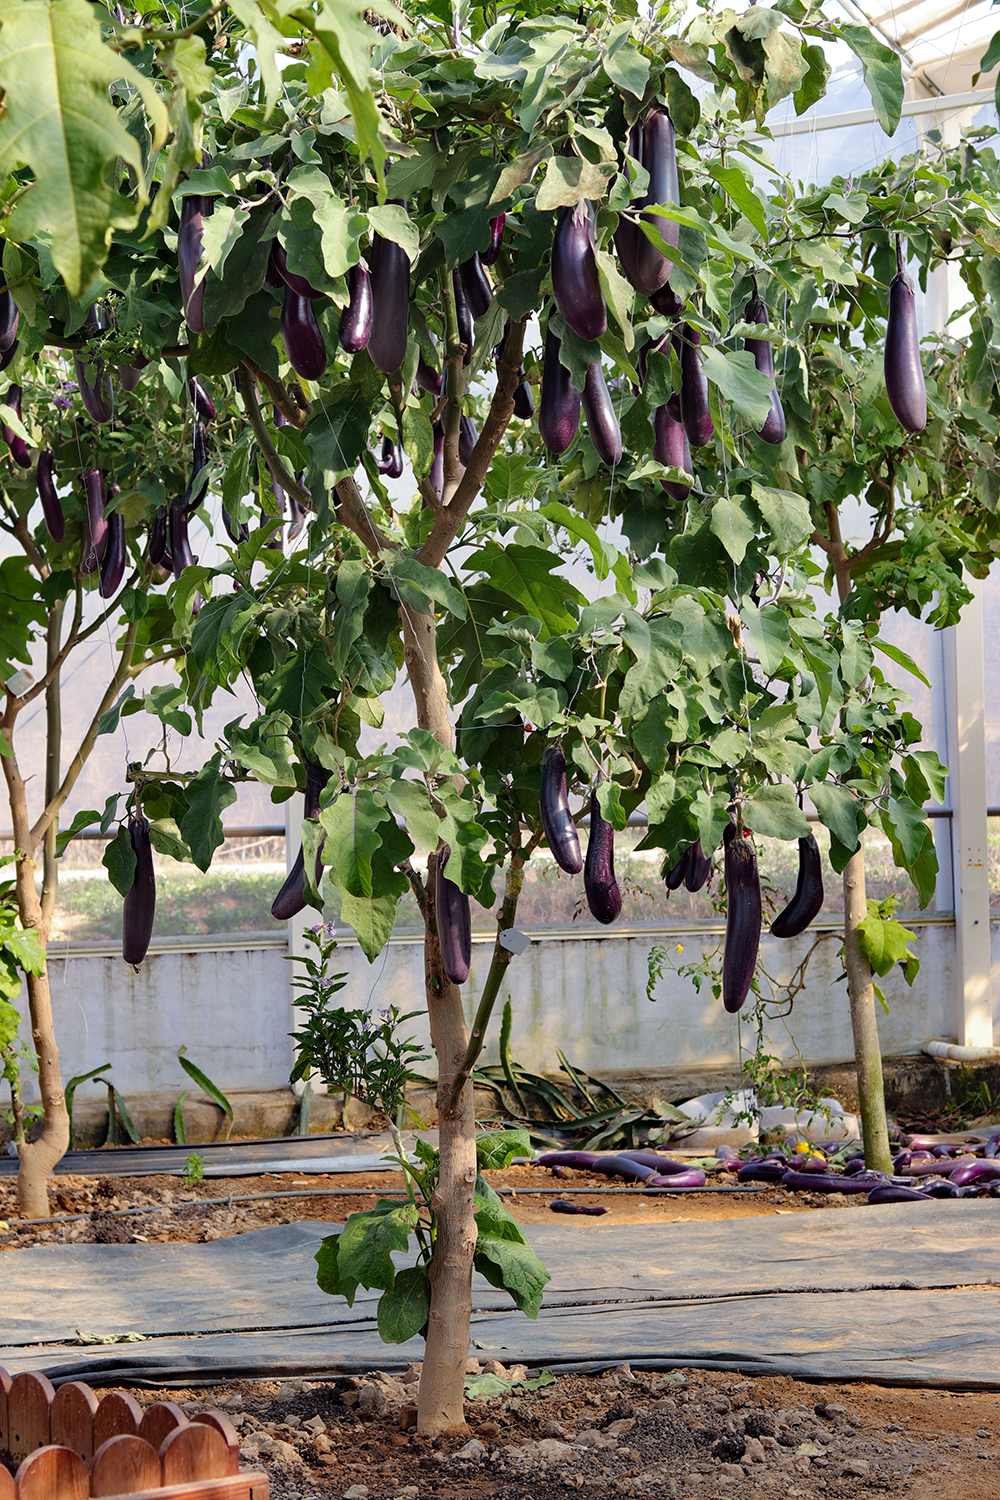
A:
x,y
932,773
743,194
740,382
65,836
773,812
513,1266
201,825
912,845
373,917
365,1249
393,223
883,74
417,584
768,631
354,581
900,657
165,837
497,1148
403,1310
55,71
527,574
569,180
883,940
735,524
328,1275
624,64
838,811
813,85
787,516
119,861
109,720
205,1084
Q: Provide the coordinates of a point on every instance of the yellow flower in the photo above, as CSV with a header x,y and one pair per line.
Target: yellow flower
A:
x,y
680,947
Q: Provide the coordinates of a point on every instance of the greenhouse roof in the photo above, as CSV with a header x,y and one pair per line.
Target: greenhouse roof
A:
x,y
941,44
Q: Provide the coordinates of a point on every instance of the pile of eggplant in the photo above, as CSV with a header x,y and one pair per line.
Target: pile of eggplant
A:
x,y
924,1170
646,1167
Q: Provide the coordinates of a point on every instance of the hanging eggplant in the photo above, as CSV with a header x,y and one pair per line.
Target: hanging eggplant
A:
x,y
198,486
671,447
676,876
557,820
391,462
468,437
97,398
695,412
524,401
297,513
603,896
8,321
51,506
436,475
298,284
158,535
203,403
129,375
659,157
628,233
807,901
390,278
904,374
667,302
238,532
463,314
491,255
454,923
291,899
18,447
96,531
7,356
476,286
180,546
428,378
194,211
115,556
559,407
602,424
743,919
356,320
699,867
301,336
575,281
773,430
139,908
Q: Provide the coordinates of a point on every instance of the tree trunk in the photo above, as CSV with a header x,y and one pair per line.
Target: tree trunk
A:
x,y
441,1399
867,1053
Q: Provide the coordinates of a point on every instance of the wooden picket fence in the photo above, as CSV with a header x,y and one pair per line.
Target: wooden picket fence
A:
x,y
74,1445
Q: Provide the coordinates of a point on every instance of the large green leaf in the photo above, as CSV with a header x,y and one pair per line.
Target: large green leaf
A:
x,y
55,71
373,917
352,823
883,72
403,1309
528,576
364,1252
773,812
119,861
838,810
741,383
201,825
787,516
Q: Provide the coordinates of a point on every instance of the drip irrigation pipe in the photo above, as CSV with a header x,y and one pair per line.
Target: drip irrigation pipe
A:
x,y
504,1192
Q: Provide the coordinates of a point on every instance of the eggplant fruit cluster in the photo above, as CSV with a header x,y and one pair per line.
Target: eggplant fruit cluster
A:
x,y
603,894
744,909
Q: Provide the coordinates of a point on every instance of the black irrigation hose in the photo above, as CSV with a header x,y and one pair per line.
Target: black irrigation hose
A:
x,y
635,1192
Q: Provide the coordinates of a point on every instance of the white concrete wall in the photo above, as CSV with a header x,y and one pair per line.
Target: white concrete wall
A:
x,y
230,1005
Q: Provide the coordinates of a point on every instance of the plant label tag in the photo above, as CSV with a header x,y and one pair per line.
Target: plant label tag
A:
x,y
515,942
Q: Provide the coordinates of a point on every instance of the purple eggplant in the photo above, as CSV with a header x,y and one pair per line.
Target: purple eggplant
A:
x,y
301,336
51,505
491,254
677,874
18,447
559,407
129,375
158,535
238,532
115,556
557,820
743,919
428,378
96,531
580,1161
436,475
695,412
978,1171
560,1206
671,448
468,437
904,374
575,281
198,486
463,314
8,321
628,233
291,899
97,398
662,1164
390,279
659,157
694,1177
297,513
603,896
813,1182
139,908
272,276
992,1147
623,1166
391,462
524,401
476,286
356,320
807,901
299,285
773,430
667,302
194,211
699,868
761,1171
891,1192
203,403
454,924
180,546
7,358
602,424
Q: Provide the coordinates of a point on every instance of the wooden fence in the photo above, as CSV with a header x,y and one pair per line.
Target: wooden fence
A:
x,y
73,1445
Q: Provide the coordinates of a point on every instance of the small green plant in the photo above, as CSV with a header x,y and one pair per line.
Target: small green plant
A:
x,y
20,954
207,1087
194,1169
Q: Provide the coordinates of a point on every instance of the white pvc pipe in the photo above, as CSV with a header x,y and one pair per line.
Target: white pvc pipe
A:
x,y
954,1053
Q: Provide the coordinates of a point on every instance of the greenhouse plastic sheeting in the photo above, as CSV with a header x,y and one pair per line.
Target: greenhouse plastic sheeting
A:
x,y
301,1154
879,1293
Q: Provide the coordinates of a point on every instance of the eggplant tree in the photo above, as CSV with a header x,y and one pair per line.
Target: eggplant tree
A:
x,y
370,236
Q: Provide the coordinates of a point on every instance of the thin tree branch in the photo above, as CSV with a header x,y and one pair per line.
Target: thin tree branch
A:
x,y
270,454
291,403
353,513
